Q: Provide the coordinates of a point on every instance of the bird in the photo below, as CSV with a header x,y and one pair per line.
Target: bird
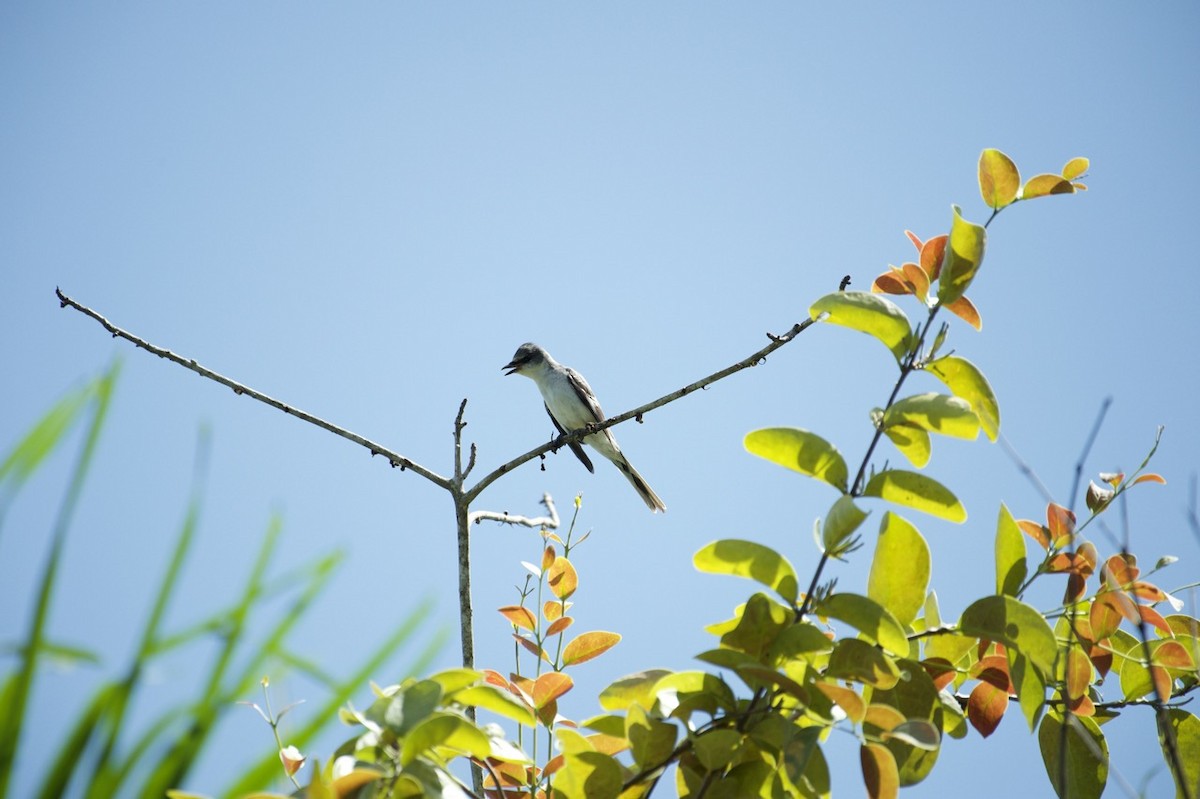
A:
x,y
572,404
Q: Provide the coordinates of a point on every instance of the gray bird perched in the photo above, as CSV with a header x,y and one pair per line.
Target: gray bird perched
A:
x,y
571,404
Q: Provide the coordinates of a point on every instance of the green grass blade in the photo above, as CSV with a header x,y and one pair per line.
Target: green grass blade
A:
x,y
13,719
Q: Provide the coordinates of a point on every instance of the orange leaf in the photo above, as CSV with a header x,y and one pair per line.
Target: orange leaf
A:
x,y
562,578
913,238
845,698
550,686
1102,657
917,280
1082,706
1173,655
940,671
558,625
1076,588
889,283
880,774
932,253
588,646
1105,615
553,609
1043,185
1152,616
1162,682
885,717
1061,523
1148,591
1079,673
1118,572
548,557
965,309
1150,478
519,616
986,706
532,647
1087,557
494,677
1035,531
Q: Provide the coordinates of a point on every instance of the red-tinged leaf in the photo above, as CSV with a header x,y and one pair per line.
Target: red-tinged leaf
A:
x,y
554,609
1082,706
1086,558
532,647
1061,523
548,557
1035,531
1044,185
964,309
890,283
588,646
1076,588
562,578
495,678
1147,591
1078,674
547,714
1163,682
558,625
940,670
519,616
1061,563
1150,478
1173,655
880,773
917,280
932,253
549,687
1152,616
1105,614
993,669
986,706
1102,657
1118,572
1076,167
913,238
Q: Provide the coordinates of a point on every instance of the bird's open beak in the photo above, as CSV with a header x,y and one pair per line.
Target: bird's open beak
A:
x,y
513,367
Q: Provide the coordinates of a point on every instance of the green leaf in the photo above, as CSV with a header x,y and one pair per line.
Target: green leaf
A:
x,y
936,413
681,693
965,380
900,569
869,618
800,451
840,523
867,313
912,442
585,773
1187,743
1030,686
964,254
498,701
1014,624
748,559
651,740
634,689
999,179
28,453
858,661
914,743
444,731
1086,755
1010,554
916,491
757,624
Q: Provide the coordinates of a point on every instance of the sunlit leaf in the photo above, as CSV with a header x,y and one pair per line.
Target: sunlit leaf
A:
x,y
900,569
749,559
880,775
916,278
634,689
867,313
916,491
936,413
1086,755
800,451
1011,567
548,687
519,616
1186,727
497,700
912,442
933,252
869,618
1013,623
840,523
651,740
589,645
562,578
847,699
1150,478
445,731
965,380
964,254
856,660
891,282
1075,168
999,179
1044,185
964,309
988,701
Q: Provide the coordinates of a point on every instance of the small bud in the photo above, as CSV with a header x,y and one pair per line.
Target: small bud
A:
x,y
1097,498
292,759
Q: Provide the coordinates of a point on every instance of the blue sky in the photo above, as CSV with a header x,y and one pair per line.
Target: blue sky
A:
x,y
364,208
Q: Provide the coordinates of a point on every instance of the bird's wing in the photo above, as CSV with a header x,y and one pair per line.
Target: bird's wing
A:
x,y
585,393
575,446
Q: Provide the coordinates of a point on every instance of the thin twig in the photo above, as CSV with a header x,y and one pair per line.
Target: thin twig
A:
x,y
1087,448
755,359
1025,469
550,521
393,458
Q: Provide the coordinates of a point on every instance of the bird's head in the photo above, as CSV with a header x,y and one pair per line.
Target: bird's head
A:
x,y
528,357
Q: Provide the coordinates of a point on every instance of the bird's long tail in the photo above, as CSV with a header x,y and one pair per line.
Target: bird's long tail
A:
x,y
641,486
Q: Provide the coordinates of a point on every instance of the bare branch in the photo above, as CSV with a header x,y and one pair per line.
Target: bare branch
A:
x,y
549,521
755,359
393,458
1087,448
